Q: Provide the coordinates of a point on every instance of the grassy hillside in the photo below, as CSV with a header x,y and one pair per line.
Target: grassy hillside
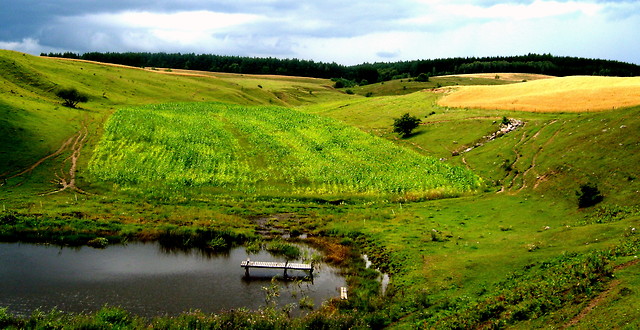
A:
x,y
497,258
408,85
570,94
35,124
528,219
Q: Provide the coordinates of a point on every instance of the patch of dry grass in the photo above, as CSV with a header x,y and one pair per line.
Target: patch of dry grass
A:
x,y
566,94
506,76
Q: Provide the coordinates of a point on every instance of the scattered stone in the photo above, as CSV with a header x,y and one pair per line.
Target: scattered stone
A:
x,y
504,129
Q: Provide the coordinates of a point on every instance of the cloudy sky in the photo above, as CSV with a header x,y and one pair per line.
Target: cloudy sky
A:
x,y
342,31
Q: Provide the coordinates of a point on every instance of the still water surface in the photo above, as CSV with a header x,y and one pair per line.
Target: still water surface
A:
x,y
146,280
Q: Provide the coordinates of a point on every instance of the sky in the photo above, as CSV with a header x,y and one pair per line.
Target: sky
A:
x,y
343,31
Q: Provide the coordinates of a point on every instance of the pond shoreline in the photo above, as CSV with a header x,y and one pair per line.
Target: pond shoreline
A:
x,y
144,277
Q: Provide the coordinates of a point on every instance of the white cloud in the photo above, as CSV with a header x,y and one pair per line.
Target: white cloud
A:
x,y
184,28
347,32
179,21
537,9
30,46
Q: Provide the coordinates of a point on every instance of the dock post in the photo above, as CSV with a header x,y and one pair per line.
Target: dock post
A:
x,y
285,268
343,293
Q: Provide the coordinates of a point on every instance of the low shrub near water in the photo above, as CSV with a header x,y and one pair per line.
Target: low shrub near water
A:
x,y
287,250
6,319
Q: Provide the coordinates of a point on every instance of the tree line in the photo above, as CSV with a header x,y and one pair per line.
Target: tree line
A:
x,y
366,73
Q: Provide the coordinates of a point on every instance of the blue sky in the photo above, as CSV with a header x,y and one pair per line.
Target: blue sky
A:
x,y
346,32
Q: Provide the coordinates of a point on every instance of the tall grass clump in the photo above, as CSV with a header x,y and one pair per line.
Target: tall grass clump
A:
x,y
262,150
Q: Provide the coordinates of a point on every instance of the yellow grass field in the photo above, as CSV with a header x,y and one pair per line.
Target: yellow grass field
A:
x,y
507,76
565,94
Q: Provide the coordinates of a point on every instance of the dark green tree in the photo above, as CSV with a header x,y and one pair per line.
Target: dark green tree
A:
x,y
423,77
589,195
405,124
71,97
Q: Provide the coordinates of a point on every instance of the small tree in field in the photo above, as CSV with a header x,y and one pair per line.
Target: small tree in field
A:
x,y
71,97
405,124
423,77
589,195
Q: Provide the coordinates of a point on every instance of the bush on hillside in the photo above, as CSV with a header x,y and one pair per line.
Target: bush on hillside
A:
x,y
71,97
589,195
405,124
343,83
423,77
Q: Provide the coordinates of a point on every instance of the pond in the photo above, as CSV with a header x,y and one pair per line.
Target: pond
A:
x,y
149,280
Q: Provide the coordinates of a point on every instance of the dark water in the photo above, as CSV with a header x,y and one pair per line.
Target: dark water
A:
x,y
146,280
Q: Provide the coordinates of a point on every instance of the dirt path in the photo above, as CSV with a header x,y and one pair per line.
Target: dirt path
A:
x,y
597,300
62,148
524,139
64,180
517,158
69,181
535,157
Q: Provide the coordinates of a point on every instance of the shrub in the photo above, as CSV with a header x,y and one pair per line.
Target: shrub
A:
x,y
405,124
114,316
287,250
5,318
342,83
98,242
71,97
306,303
218,244
589,195
423,77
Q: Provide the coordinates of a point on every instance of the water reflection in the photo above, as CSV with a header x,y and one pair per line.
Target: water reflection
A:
x,y
147,279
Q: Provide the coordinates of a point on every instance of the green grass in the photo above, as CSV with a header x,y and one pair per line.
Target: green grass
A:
x,y
263,150
33,123
450,260
408,85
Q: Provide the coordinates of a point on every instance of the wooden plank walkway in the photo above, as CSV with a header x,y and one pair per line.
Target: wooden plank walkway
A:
x,y
246,264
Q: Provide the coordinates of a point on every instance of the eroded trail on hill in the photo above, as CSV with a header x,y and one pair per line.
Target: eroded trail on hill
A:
x,y
65,179
535,157
518,181
62,148
68,180
597,300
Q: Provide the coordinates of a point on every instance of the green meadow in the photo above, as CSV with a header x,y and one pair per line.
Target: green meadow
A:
x,y
263,150
474,232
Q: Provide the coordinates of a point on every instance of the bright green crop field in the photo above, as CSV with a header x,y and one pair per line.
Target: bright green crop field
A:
x,y
474,233
263,150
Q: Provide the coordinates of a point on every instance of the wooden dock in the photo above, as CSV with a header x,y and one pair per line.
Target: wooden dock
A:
x,y
276,265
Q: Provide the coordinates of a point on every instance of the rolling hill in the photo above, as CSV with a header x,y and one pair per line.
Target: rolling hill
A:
x,y
565,94
154,154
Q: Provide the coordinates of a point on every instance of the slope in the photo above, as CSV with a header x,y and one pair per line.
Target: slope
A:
x,y
262,150
33,124
566,94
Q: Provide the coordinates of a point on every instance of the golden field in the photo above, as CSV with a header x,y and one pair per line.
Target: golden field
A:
x,y
564,94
